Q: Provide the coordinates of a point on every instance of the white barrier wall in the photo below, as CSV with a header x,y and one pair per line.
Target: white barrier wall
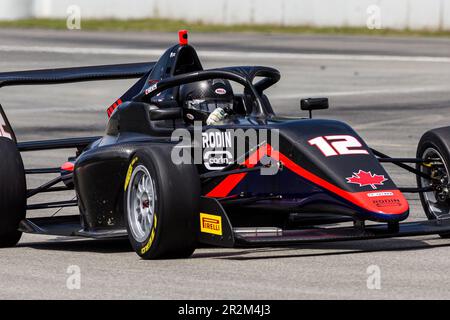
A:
x,y
18,9
399,14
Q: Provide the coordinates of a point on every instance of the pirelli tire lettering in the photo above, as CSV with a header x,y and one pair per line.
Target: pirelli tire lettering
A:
x,y
152,236
129,172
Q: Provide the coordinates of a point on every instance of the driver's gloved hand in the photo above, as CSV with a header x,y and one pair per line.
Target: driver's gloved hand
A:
x,y
217,115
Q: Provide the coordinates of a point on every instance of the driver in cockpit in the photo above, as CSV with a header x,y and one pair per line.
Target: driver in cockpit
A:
x,y
209,101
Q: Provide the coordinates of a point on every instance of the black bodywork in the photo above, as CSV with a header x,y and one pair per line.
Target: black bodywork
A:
x,y
309,188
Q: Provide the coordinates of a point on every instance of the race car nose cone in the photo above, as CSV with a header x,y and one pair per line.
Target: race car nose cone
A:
x,y
183,37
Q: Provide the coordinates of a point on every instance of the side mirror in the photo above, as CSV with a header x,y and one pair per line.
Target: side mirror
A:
x,y
165,114
313,104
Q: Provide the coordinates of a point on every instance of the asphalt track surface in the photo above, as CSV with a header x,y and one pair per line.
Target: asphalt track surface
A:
x,y
391,90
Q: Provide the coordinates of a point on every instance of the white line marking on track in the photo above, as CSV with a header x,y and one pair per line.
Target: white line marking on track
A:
x,y
432,118
275,97
226,54
31,110
361,92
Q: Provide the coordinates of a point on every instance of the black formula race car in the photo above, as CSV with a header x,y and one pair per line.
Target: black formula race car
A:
x,y
170,183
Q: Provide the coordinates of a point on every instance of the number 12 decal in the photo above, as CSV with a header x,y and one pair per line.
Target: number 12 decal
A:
x,y
337,145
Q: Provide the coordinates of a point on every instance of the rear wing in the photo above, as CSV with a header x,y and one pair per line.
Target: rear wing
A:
x,y
67,75
79,74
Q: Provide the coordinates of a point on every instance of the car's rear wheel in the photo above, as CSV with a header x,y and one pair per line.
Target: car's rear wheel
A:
x,y
12,193
161,204
436,201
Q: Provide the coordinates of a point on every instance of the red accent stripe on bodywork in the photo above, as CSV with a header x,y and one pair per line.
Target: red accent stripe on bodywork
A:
x,y
231,181
68,166
225,187
113,107
361,199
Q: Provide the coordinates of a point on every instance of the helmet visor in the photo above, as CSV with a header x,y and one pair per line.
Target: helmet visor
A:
x,y
208,105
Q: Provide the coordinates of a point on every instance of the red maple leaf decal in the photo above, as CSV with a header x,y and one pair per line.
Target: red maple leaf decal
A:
x,y
364,178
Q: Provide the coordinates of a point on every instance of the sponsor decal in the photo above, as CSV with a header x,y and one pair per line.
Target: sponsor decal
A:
x,y
366,178
152,88
215,148
152,236
380,194
217,160
217,139
381,203
129,172
211,224
214,142
220,91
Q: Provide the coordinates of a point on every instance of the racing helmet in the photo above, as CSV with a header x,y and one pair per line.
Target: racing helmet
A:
x,y
200,99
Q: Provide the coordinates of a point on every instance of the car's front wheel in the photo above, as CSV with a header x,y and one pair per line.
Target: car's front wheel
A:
x,y
434,150
161,204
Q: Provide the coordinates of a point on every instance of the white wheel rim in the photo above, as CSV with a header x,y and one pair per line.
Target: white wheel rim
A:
x,y
141,199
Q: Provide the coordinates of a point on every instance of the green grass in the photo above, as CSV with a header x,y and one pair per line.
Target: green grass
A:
x,y
174,25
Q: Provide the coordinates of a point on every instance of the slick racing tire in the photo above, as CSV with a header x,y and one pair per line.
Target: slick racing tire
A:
x,y
434,148
12,193
161,204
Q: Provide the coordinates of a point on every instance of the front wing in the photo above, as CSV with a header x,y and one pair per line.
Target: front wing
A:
x,y
217,230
